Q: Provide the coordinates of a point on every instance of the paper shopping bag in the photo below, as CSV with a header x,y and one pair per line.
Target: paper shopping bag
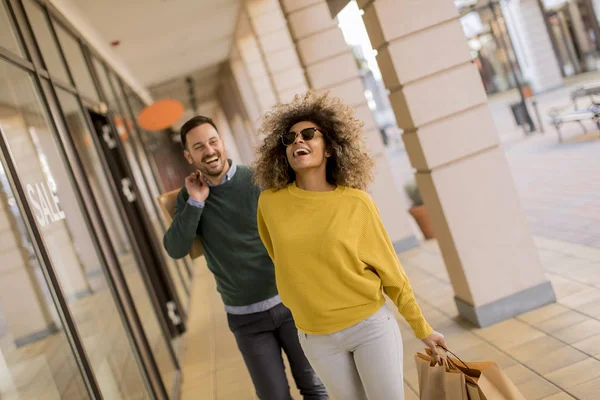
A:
x,y
491,381
439,382
481,380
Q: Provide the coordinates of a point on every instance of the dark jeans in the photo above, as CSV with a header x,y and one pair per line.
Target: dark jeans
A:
x,y
260,338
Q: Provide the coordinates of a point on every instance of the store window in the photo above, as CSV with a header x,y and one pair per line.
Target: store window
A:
x,y
77,64
67,238
35,357
46,42
138,160
8,38
104,84
112,218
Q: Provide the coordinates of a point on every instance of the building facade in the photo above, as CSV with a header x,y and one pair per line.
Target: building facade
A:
x,y
90,304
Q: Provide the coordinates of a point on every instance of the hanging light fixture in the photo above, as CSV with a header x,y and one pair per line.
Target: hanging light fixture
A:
x,y
160,115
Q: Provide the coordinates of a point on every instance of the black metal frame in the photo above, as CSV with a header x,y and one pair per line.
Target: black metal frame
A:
x,y
46,85
135,138
138,137
137,327
48,270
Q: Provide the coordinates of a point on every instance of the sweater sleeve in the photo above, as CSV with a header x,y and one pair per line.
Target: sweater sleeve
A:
x,y
263,231
376,250
179,238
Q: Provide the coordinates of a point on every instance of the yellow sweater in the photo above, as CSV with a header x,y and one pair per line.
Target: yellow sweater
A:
x,y
332,259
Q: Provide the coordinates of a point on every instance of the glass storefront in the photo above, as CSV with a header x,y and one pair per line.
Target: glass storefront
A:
x,y
573,26
573,30
90,305
491,47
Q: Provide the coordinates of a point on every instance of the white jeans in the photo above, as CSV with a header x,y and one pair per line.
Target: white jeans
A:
x,y
363,362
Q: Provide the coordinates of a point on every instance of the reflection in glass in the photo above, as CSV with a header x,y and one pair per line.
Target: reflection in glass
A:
x,y
45,39
66,236
77,64
111,217
8,38
101,73
35,357
149,193
177,268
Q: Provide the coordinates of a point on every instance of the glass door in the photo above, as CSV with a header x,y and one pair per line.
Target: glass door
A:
x,y
156,268
138,283
36,360
137,157
107,351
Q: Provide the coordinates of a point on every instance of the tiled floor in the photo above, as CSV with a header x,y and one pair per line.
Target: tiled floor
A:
x,y
552,353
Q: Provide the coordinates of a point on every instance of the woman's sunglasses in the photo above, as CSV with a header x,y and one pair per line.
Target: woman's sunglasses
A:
x,y
289,138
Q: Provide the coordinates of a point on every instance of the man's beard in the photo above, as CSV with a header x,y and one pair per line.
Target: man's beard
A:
x,y
212,170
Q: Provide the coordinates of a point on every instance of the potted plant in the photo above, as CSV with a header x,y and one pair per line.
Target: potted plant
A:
x,y
527,89
418,210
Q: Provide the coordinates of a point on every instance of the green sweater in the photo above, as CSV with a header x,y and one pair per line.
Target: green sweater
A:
x,y
227,228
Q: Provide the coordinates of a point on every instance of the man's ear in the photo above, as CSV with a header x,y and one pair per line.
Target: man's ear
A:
x,y
188,157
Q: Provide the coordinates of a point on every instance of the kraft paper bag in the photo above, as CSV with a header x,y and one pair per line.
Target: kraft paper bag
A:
x,y
478,380
439,382
492,382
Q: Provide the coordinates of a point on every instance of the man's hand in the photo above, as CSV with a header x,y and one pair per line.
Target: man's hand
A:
x,y
434,340
197,186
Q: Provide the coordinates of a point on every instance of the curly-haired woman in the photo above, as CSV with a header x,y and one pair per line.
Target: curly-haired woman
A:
x,y
333,257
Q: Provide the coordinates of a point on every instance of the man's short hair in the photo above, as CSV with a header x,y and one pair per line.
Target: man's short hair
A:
x,y
194,123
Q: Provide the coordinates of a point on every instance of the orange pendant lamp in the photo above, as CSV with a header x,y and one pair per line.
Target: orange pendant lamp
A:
x,y
160,115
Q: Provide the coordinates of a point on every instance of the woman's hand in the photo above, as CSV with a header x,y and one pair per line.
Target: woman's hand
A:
x,y
433,341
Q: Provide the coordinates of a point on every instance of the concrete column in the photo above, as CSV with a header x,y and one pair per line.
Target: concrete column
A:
x,y
584,42
245,89
449,133
240,108
228,136
254,63
330,65
596,8
538,60
273,37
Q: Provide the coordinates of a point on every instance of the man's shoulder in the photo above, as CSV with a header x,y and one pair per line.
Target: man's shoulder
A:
x,y
244,170
244,177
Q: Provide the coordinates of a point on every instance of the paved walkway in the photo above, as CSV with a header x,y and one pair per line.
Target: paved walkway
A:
x,y
552,353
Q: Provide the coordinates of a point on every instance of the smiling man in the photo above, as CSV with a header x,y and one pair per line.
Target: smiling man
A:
x,y
219,203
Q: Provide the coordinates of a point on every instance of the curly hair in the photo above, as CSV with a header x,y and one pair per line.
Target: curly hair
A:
x,y
349,165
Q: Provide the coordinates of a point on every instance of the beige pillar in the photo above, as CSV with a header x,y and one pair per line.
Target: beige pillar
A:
x,y
240,106
596,8
254,63
538,61
330,65
452,142
228,136
273,36
583,40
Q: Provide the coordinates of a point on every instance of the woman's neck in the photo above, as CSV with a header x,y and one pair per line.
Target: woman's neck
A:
x,y
313,182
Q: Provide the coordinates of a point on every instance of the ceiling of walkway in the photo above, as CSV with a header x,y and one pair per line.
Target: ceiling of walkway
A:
x,y
164,41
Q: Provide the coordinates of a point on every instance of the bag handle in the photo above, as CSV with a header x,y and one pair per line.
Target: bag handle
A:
x,y
468,370
458,358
